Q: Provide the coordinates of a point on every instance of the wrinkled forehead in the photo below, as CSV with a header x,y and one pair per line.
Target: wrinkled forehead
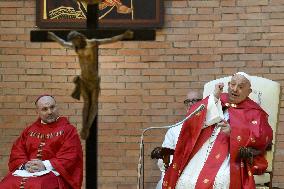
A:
x,y
239,79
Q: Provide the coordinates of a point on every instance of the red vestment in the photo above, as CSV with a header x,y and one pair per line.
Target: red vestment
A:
x,y
249,128
57,142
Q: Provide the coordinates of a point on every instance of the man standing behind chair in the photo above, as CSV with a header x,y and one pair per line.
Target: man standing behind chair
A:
x,y
172,134
208,154
48,154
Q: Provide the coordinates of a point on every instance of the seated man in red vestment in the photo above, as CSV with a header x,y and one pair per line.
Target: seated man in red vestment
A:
x,y
48,154
215,147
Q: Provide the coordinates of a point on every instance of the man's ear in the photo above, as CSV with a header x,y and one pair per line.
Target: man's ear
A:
x,y
250,90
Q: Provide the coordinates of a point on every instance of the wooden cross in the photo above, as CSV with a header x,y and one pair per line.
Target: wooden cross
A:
x,y
92,31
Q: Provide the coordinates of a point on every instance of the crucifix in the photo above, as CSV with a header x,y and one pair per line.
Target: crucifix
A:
x,y
86,43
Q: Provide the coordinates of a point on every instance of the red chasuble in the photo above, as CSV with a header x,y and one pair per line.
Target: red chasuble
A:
x,y
249,128
57,142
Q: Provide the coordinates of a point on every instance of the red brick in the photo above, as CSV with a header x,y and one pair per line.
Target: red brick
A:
x,y
252,2
12,31
205,10
203,58
203,3
11,4
230,23
180,37
23,11
111,58
204,30
133,52
58,59
6,10
205,17
132,65
112,86
256,43
271,63
157,85
277,29
8,37
8,24
229,50
229,37
34,51
277,43
12,58
253,57
205,44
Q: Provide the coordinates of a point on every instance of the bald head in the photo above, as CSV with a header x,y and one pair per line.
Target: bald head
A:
x,y
192,97
47,109
239,88
193,94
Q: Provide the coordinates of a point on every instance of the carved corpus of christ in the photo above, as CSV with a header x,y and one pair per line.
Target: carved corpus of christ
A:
x,y
88,83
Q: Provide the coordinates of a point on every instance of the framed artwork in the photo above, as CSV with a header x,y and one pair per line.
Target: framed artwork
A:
x,y
63,14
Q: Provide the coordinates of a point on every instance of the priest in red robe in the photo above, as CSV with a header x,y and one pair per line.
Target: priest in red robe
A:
x,y
207,154
48,154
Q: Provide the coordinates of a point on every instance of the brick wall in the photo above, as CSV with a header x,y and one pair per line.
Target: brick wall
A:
x,y
143,83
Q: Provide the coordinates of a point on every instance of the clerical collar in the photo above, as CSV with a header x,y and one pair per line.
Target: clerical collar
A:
x,y
48,123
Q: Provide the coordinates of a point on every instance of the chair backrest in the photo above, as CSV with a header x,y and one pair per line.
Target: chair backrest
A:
x,y
266,93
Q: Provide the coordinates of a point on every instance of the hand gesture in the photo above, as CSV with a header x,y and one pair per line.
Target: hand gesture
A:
x,y
225,127
218,90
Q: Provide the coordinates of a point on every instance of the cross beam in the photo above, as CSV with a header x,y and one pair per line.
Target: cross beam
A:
x,y
139,35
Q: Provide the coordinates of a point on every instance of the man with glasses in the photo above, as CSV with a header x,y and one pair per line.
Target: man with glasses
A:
x,y
164,153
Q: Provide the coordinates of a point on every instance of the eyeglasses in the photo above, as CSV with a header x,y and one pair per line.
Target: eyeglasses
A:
x,y
188,102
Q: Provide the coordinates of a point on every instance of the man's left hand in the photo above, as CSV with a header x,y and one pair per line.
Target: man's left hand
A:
x,y
225,127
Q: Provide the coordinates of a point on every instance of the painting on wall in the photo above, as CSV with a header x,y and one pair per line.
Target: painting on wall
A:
x,y
112,14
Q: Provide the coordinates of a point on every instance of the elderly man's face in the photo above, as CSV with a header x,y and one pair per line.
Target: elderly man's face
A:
x,y
47,110
239,89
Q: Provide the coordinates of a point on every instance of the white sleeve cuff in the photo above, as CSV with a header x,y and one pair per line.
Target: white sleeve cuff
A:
x,y
214,111
161,165
48,165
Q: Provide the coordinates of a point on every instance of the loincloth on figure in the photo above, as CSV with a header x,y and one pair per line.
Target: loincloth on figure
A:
x,y
89,86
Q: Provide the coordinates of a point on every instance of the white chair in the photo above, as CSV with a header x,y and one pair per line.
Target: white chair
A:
x,y
266,93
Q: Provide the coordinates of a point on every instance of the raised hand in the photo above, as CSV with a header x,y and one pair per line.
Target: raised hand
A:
x,y
225,127
218,90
